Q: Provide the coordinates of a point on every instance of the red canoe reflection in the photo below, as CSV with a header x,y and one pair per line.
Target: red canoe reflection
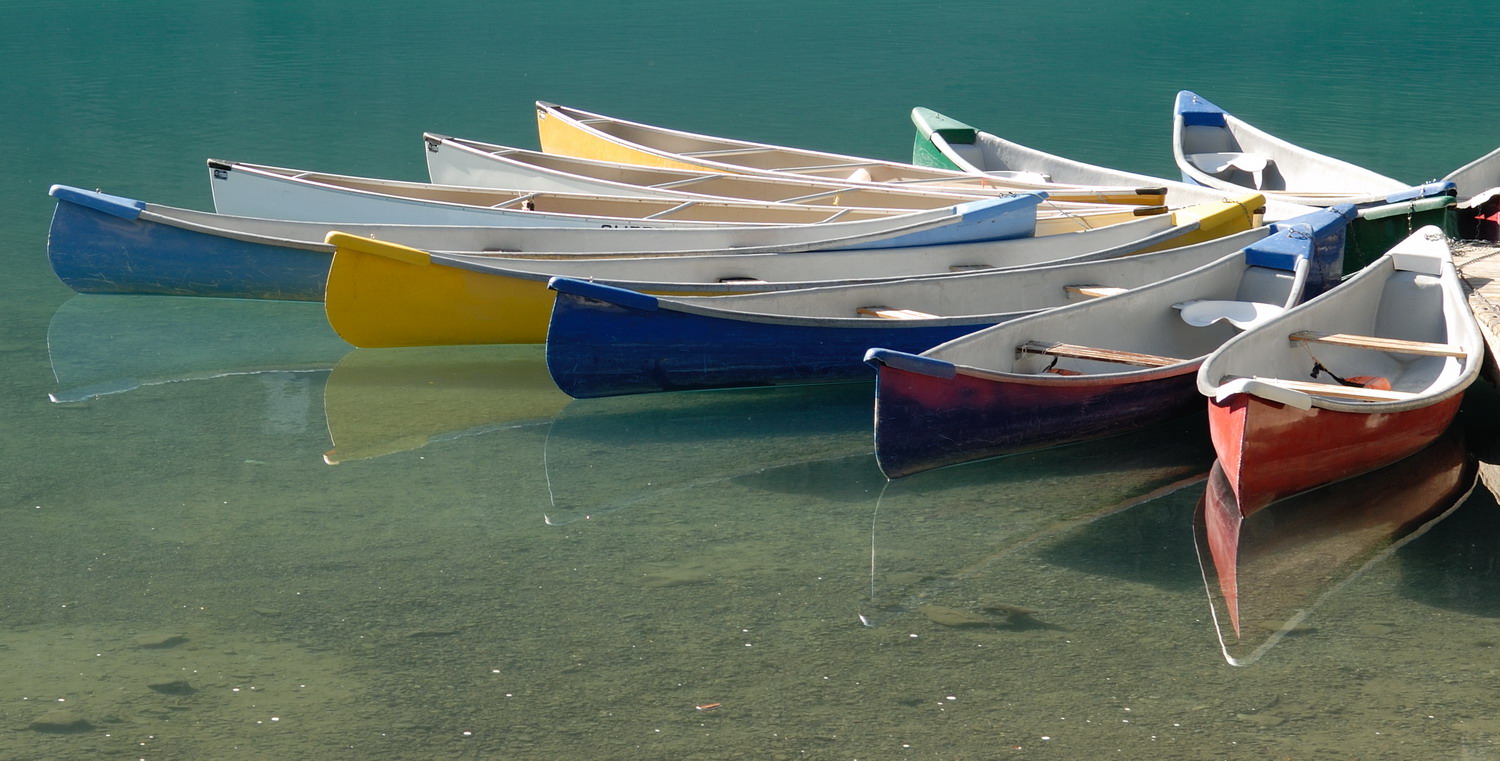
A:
x,y
1274,566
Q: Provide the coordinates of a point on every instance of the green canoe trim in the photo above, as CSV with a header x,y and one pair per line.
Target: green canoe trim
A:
x,y
1407,207
929,122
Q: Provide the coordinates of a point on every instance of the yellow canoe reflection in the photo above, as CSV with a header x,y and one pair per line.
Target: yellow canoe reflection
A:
x,y
379,402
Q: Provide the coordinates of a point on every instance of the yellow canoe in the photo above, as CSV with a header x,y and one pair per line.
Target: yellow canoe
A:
x,y
382,295
575,132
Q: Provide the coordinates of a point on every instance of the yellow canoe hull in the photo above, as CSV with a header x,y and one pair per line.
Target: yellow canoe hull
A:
x,y
1215,220
382,295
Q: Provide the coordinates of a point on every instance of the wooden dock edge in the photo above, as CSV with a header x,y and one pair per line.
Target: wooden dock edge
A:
x,y
1478,264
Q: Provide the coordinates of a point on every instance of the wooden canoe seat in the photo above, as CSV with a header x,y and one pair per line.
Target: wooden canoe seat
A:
x,y
1396,345
733,280
1074,351
892,313
1093,291
1359,393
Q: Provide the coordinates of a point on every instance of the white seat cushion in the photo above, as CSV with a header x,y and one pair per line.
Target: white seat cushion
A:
x,y
1214,163
1241,314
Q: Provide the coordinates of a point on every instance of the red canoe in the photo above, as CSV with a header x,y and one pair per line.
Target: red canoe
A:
x,y
1363,376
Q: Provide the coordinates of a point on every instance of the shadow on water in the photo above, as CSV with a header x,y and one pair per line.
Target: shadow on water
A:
x,y
851,479
1456,566
936,535
1151,543
101,345
605,455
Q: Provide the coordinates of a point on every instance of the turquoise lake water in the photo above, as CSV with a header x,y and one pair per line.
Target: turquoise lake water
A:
x,y
492,572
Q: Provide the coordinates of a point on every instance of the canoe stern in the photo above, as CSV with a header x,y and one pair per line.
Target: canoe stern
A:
x,y
607,341
98,243
382,295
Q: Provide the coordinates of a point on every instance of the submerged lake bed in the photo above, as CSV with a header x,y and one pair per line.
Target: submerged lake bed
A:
x,y
657,574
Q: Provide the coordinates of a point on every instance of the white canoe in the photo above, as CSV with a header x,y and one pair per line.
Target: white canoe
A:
x,y
1216,149
946,142
575,132
1478,184
456,161
256,190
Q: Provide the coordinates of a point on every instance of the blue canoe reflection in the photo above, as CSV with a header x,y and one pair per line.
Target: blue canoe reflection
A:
x,y
1291,555
383,401
940,539
604,455
101,345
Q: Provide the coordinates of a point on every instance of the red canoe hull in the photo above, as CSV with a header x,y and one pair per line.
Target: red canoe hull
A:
x,y
1271,451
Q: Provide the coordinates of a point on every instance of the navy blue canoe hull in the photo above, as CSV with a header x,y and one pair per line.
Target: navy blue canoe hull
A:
x,y
99,244
924,421
601,348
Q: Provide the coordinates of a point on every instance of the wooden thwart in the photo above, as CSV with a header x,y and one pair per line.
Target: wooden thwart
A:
x,y
1329,389
892,313
1074,351
1093,291
1398,345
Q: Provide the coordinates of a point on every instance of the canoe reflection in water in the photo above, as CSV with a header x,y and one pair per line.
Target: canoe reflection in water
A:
x,y
382,401
1289,556
101,344
971,537
605,455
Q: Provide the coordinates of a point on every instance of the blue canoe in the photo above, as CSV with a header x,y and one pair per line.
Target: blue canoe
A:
x,y
102,243
1092,369
606,341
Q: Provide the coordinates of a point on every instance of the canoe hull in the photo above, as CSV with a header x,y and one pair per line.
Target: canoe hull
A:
x,y
606,338
1402,325
925,421
104,248
371,304
597,348
1381,226
1271,451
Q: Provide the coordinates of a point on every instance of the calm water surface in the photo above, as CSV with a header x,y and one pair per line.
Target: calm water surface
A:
x,y
234,537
